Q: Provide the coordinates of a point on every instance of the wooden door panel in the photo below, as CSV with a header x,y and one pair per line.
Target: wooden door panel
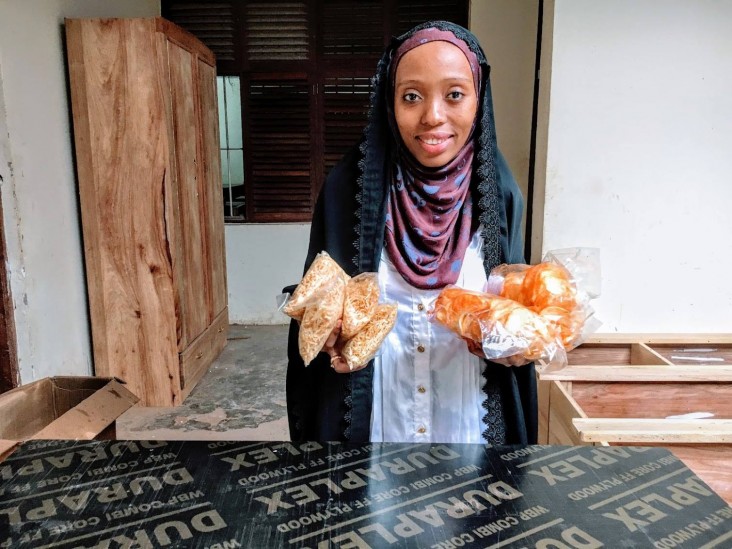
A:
x,y
191,288
214,214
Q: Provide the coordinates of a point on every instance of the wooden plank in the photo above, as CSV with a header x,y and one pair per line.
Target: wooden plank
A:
x,y
88,201
213,214
712,463
652,400
191,288
609,373
185,40
642,354
659,338
173,230
199,355
655,431
130,277
544,405
563,411
708,354
594,353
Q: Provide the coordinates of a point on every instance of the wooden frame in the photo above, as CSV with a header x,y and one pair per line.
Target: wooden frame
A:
x,y
620,389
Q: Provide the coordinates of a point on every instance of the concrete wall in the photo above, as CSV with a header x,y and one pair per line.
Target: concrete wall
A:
x,y
507,31
39,191
261,259
638,157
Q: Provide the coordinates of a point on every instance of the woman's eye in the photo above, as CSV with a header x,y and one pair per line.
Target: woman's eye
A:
x,y
455,95
410,97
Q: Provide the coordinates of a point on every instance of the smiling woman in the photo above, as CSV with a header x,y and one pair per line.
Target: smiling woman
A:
x,y
425,200
435,102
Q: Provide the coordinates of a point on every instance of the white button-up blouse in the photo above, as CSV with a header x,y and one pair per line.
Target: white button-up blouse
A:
x,y
427,385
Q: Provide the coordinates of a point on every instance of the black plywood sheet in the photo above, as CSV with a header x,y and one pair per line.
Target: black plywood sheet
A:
x,y
280,494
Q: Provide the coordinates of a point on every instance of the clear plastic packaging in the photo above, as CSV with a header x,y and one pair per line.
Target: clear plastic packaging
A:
x,y
320,318
362,347
326,295
362,297
317,280
503,328
559,288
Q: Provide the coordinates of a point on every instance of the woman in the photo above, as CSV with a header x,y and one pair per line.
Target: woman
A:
x,y
426,200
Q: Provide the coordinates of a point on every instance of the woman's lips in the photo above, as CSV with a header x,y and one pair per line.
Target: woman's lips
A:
x,y
434,144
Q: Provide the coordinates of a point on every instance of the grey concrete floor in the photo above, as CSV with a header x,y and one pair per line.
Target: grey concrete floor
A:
x,y
241,397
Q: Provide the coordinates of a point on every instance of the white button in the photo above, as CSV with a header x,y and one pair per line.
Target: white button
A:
x,y
420,307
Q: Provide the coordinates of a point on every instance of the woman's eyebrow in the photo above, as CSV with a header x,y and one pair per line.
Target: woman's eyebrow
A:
x,y
412,82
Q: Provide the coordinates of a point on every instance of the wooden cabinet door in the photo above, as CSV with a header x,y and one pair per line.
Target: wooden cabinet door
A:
x,y
189,263
214,208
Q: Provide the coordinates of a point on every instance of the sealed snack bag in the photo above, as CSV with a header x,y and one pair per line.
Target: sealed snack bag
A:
x,y
322,272
326,295
362,347
503,327
559,289
320,319
362,297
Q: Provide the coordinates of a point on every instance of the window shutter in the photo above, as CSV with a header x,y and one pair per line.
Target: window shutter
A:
x,y
278,176
276,31
346,103
350,29
213,23
305,68
413,12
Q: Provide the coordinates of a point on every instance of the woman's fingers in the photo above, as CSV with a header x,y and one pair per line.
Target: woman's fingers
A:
x,y
515,360
475,348
332,340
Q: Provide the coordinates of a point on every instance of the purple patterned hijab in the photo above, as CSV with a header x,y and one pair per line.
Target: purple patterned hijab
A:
x,y
429,216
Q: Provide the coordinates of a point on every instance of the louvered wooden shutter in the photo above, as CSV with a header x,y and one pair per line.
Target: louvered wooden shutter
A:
x,y
413,12
346,103
351,29
280,150
276,31
213,23
305,69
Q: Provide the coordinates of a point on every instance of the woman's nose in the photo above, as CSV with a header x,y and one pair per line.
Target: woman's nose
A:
x,y
434,113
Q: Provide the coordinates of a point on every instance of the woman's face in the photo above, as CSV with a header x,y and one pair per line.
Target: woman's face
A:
x,y
434,102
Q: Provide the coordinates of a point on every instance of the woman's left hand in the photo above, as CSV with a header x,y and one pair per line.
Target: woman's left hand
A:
x,y
477,349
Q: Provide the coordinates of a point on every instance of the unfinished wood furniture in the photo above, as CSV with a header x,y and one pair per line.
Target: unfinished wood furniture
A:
x,y
625,389
144,101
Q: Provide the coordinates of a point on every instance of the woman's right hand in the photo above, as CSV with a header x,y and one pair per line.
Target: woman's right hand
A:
x,y
334,347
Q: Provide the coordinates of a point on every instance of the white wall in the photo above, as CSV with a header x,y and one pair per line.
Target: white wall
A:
x,y
39,191
260,261
638,160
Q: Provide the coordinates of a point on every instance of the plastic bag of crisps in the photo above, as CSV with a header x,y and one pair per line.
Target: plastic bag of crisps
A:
x,y
321,274
317,303
559,288
362,347
320,319
326,295
503,327
362,297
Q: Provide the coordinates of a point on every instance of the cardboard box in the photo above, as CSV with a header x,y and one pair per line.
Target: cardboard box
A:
x,y
71,408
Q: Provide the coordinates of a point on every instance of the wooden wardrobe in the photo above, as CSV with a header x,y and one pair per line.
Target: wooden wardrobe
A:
x,y
144,101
